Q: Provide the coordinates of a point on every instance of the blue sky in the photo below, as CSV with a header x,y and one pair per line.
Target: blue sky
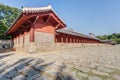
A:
x,y
97,16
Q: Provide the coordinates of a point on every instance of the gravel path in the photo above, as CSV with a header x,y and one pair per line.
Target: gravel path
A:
x,y
84,63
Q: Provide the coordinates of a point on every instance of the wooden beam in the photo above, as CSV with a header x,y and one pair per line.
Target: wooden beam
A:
x,y
48,19
37,17
57,26
57,20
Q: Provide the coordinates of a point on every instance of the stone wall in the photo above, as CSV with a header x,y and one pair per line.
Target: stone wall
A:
x,y
42,37
43,41
5,44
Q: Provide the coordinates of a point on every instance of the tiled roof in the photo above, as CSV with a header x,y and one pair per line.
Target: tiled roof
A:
x,y
41,9
36,9
72,32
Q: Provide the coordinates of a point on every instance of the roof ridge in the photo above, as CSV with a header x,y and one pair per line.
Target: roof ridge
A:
x,y
49,7
76,32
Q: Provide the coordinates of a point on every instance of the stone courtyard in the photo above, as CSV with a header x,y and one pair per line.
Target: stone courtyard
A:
x,y
83,63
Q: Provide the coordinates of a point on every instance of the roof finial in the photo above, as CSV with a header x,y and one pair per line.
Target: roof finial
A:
x,y
49,5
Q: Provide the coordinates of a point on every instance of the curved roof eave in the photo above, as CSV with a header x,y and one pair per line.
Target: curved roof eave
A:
x,y
33,10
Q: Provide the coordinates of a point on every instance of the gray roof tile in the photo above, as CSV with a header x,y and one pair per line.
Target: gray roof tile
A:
x,y
72,32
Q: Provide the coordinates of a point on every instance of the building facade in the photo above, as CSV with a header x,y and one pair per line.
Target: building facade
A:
x,y
41,29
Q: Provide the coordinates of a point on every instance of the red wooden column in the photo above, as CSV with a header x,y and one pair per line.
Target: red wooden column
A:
x,y
32,33
63,38
77,40
74,39
23,37
66,39
70,39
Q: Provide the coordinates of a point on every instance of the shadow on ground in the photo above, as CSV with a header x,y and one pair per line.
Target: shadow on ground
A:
x,y
31,69
4,55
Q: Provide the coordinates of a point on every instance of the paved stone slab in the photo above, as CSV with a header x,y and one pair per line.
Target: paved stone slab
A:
x,y
34,62
41,68
54,66
108,70
94,78
53,72
5,79
83,69
116,77
1,70
44,78
28,71
100,72
82,74
11,73
33,77
94,65
19,67
66,77
19,77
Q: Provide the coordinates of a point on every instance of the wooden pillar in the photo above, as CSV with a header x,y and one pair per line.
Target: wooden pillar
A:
x,y
70,39
23,37
66,39
32,33
62,39
74,39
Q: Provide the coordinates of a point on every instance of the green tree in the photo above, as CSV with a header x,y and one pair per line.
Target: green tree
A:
x,y
7,16
114,37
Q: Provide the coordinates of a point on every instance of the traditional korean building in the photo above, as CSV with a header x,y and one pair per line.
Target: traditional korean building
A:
x,y
40,29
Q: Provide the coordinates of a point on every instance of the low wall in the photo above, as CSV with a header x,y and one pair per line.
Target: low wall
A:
x,y
42,47
5,44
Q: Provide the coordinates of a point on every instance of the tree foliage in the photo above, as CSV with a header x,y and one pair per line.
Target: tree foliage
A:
x,y
114,37
7,16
